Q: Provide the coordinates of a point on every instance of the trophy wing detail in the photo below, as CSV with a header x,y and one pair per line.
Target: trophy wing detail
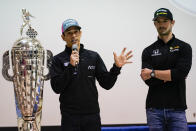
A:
x,y
49,60
6,67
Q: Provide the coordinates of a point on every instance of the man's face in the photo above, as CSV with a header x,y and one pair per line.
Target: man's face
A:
x,y
164,25
72,36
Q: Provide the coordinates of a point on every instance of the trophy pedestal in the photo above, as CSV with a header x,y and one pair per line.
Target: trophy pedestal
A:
x,y
30,125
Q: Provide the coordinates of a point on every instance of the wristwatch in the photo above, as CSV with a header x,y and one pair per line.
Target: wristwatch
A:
x,y
152,74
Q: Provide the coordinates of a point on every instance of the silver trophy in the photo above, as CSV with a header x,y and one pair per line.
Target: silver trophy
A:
x,y
28,58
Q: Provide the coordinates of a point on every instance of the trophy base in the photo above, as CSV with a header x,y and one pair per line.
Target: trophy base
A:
x,y
29,125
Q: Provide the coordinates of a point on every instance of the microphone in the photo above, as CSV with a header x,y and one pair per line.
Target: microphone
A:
x,y
75,48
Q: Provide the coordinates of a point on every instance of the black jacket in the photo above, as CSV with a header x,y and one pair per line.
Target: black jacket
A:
x,y
175,55
77,85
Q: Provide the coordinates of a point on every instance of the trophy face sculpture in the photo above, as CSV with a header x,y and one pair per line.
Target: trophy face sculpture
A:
x,y
27,58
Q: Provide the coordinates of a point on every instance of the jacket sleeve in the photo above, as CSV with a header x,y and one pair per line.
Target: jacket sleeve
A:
x,y
106,79
60,75
147,63
183,64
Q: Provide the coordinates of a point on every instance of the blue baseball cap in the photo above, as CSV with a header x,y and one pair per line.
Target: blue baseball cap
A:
x,y
69,23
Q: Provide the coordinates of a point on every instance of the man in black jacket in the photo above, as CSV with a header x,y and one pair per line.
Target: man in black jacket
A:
x,y
165,66
73,75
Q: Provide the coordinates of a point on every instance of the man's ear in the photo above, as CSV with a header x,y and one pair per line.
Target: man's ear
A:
x,y
154,23
173,22
63,36
80,33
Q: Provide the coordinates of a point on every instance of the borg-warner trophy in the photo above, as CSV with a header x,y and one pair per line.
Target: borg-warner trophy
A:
x,y
28,58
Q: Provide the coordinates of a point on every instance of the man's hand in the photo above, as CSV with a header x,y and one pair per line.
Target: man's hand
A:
x,y
74,58
123,58
145,74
